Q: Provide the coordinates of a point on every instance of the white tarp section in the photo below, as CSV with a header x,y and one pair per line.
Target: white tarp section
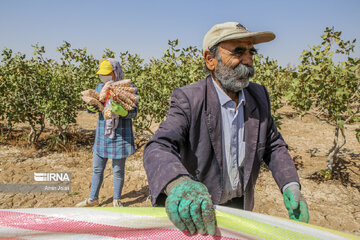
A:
x,y
148,223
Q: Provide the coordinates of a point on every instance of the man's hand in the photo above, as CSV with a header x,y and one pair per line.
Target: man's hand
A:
x,y
295,204
190,208
92,109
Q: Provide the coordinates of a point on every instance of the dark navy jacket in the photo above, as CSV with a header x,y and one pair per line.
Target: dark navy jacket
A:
x,y
188,142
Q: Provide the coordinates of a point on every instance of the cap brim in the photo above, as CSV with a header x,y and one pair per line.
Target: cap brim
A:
x,y
103,72
257,37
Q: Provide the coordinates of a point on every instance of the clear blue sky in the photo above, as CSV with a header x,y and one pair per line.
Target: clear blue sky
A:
x,y
144,27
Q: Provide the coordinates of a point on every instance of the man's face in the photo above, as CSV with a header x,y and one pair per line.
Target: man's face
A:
x,y
234,65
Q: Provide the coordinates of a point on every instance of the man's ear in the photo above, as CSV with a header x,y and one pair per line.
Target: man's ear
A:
x,y
210,60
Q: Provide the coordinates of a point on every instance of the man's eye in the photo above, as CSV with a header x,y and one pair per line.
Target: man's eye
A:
x,y
238,53
252,53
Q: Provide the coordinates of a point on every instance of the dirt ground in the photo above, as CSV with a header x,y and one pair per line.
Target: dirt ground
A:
x,y
332,204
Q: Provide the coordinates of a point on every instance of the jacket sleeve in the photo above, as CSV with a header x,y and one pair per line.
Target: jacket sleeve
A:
x,y
162,159
276,155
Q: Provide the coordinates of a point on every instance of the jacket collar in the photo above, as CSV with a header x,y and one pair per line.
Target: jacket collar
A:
x,y
251,128
213,119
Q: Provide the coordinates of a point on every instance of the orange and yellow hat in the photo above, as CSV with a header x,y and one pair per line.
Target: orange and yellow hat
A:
x,y
105,68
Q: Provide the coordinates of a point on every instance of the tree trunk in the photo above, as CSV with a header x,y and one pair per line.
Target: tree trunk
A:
x,y
37,135
34,135
62,133
6,135
32,132
332,156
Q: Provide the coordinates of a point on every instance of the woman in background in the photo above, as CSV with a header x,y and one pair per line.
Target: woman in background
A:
x,y
114,139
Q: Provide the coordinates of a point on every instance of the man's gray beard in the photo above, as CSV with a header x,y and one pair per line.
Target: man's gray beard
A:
x,y
233,79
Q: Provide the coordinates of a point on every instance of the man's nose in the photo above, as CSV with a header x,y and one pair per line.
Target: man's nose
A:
x,y
247,59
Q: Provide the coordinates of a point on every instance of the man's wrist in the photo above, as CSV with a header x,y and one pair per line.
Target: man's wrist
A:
x,y
175,182
288,185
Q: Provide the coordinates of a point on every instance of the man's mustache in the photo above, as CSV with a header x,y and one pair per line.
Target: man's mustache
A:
x,y
244,71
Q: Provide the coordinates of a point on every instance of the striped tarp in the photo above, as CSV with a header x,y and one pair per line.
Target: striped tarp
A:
x,y
148,223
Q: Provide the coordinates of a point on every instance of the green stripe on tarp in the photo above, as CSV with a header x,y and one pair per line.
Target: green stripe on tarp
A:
x,y
226,220
342,234
259,229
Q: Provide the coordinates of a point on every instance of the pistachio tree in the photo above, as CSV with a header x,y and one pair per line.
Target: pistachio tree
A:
x,y
38,90
329,89
23,90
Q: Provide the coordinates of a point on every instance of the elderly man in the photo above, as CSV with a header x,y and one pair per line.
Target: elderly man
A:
x,y
216,133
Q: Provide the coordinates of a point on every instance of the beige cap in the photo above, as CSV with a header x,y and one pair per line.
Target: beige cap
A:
x,y
233,30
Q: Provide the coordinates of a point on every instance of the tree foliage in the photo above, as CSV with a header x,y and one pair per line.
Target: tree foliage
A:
x,y
39,91
157,79
276,79
329,89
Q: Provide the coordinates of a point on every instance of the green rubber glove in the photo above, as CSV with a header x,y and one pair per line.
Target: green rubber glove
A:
x,y
118,109
295,204
190,208
92,109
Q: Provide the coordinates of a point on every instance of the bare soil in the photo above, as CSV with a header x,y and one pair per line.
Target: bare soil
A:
x,y
333,203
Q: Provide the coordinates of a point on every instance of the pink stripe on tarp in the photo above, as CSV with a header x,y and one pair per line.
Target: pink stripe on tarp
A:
x,y
39,222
